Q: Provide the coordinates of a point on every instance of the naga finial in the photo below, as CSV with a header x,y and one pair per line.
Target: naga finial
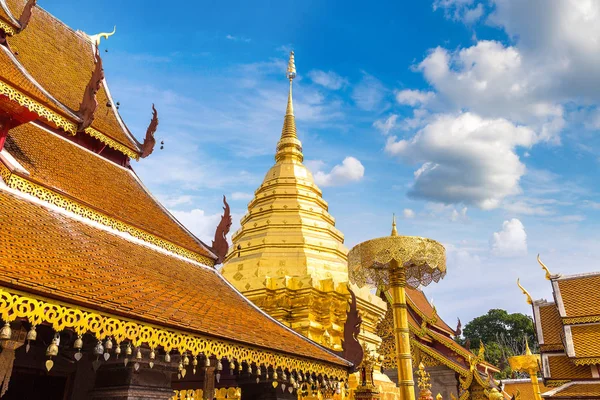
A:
x,y
548,274
481,353
291,69
96,38
149,140
525,292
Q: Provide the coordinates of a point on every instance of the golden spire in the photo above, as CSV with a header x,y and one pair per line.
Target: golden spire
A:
x,y
394,230
289,147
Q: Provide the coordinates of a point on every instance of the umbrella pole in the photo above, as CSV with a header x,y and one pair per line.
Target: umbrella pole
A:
x,y
401,332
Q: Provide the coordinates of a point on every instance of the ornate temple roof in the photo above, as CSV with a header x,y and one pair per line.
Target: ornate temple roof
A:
x,y
66,78
567,329
88,179
432,336
86,246
575,391
288,229
49,253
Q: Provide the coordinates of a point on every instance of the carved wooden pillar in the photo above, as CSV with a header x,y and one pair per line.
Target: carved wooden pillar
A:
x,y
208,386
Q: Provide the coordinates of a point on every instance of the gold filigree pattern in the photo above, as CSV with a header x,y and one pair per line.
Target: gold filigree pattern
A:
x,y
423,259
555,383
581,320
586,361
190,394
9,30
113,144
33,106
37,311
461,371
23,185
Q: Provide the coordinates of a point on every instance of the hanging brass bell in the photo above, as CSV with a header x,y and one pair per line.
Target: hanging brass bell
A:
x,y
78,343
275,375
32,334
108,345
52,350
152,354
219,366
195,361
138,354
118,350
99,349
186,360
207,362
5,332
128,350
167,357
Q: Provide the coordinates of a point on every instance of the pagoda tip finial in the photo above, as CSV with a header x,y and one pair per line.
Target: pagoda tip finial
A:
x,y
527,349
394,230
291,68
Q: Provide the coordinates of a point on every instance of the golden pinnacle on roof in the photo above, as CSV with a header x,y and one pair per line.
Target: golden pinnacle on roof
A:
x,y
394,230
548,274
289,147
525,292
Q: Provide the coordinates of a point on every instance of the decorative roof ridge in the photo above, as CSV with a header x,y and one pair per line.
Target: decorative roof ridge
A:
x,y
543,303
28,186
9,14
23,70
168,213
523,380
453,365
298,335
560,278
5,185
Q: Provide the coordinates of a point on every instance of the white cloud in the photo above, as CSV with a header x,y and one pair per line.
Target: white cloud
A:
x,y
200,224
460,10
329,80
465,159
459,215
511,240
408,213
385,126
241,196
174,201
238,38
413,97
369,93
350,170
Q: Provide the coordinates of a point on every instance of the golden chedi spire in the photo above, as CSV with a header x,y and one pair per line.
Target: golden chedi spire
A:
x,y
289,147
394,230
287,231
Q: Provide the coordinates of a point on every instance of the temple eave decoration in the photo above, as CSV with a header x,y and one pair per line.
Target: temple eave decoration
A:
x,y
131,334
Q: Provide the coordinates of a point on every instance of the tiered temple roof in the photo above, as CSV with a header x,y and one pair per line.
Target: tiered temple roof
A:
x,y
433,341
84,244
568,332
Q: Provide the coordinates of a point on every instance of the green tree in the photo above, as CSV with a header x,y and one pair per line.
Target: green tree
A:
x,y
503,336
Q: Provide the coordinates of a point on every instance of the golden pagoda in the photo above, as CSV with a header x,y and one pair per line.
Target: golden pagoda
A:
x,y
288,257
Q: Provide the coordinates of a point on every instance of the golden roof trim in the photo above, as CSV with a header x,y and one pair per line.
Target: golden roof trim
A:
x,y
113,144
581,320
8,29
62,316
37,108
585,361
24,185
463,371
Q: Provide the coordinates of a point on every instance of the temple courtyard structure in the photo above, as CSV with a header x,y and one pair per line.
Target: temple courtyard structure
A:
x,y
105,295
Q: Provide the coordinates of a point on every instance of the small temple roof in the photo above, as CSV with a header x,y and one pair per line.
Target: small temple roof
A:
x,y
66,168
549,328
575,390
49,253
560,367
578,297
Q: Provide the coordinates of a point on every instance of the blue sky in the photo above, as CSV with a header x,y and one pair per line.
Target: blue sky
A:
x,y
476,122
